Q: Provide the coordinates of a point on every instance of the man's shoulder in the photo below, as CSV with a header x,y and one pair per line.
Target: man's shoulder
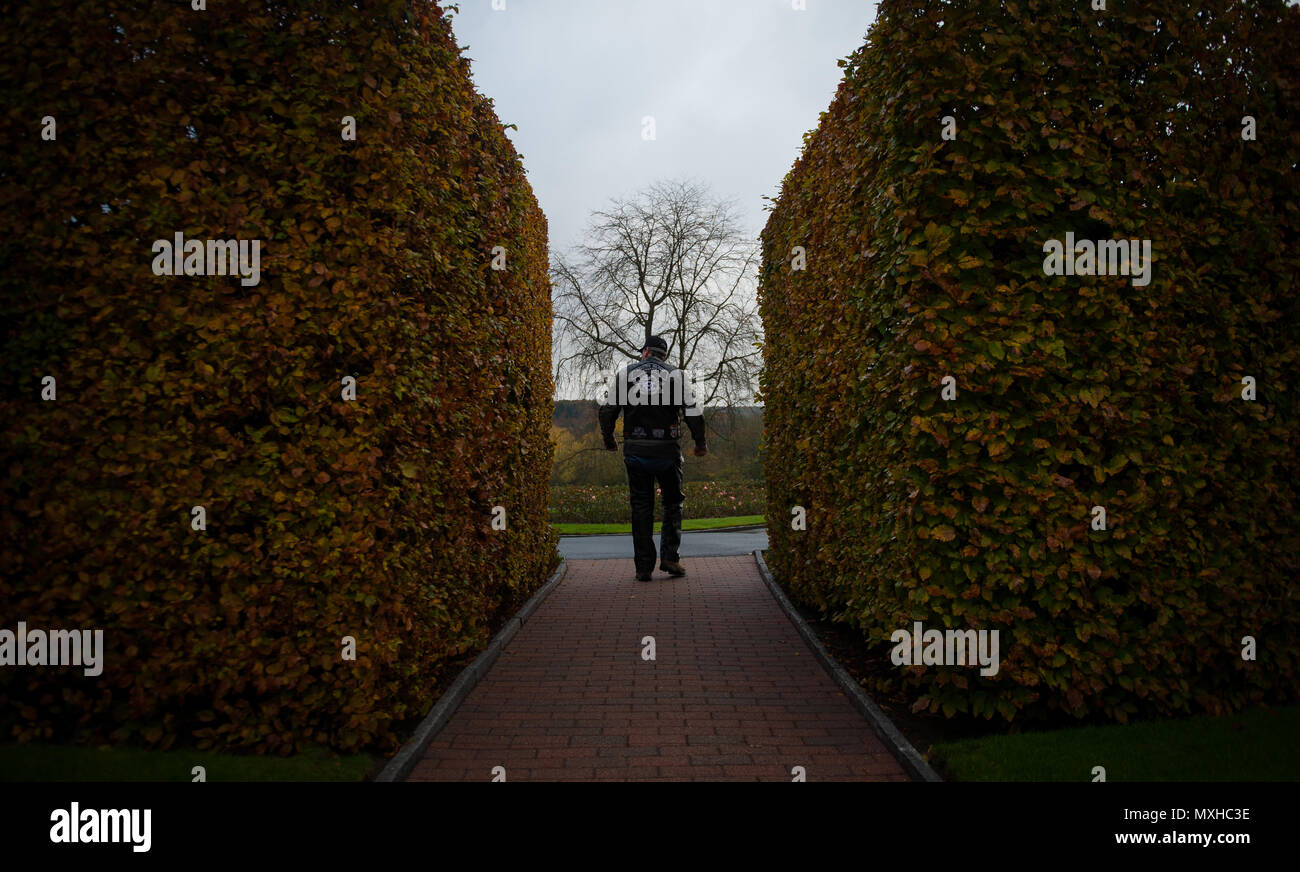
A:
x,y
651,364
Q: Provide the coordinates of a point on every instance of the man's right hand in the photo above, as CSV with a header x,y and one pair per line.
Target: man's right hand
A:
x,y
701,450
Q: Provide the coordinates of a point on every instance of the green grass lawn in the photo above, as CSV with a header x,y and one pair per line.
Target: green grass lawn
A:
x,y
687,524
608,504
1256,745
73,763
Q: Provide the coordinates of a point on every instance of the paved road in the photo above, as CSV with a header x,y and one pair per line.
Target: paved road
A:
x,y
705,543
732,694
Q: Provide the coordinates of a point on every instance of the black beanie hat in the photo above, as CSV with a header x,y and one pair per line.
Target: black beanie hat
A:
x,y
657,342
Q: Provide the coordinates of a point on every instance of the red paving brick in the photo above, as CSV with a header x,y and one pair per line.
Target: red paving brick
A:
x,y
733,694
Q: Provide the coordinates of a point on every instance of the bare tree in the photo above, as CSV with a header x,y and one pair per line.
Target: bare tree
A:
x,y
673,262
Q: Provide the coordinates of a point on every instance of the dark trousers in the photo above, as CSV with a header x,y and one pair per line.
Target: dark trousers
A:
x,y
642,473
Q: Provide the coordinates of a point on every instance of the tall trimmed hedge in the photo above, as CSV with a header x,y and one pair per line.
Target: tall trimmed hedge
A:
x,y
925,259
327,517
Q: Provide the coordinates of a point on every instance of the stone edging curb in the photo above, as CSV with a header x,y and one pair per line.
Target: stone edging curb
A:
x,y
405,759
743,529
897,743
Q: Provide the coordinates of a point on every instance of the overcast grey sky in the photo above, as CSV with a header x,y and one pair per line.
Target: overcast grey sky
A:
x,y
732,86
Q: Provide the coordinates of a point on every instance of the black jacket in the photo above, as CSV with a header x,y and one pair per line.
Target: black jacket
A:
x,y
650,393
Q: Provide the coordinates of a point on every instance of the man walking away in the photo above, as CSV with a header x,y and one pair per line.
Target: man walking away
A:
x,y
650,393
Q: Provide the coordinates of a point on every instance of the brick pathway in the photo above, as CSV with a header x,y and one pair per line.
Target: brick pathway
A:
x,y
733,694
